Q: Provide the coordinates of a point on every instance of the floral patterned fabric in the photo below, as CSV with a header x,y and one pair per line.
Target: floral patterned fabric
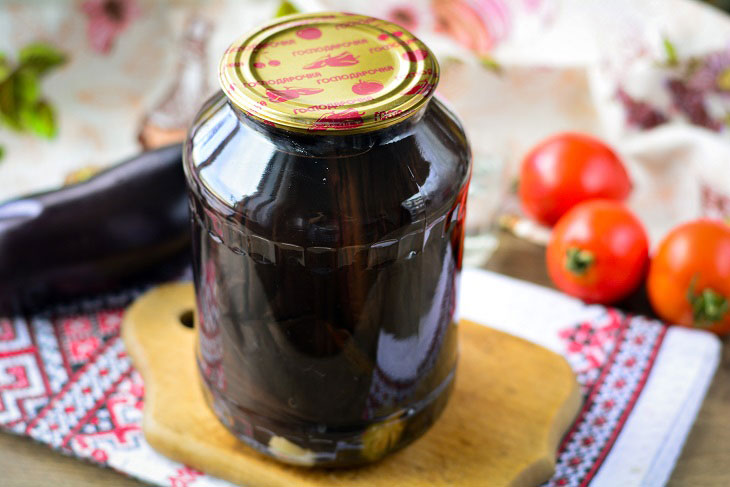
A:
x,y
642,382
640,74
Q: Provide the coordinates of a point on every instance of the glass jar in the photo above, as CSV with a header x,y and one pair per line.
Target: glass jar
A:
x,y
328,223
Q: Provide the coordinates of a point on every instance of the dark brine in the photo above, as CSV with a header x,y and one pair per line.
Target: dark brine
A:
x,y
328,192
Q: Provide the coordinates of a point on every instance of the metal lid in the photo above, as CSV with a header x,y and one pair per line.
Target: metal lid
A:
x,y
329,71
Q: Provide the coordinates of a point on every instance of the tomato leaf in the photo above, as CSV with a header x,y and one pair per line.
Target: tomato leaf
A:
x,y
579,261
708,306
41,57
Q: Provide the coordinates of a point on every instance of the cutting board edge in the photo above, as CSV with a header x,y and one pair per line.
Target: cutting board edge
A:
x,y
543,467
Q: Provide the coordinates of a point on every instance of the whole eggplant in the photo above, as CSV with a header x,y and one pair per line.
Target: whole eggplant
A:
x,y
94,236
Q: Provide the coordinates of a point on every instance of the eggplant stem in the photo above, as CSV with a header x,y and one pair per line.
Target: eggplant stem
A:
x,y
578,261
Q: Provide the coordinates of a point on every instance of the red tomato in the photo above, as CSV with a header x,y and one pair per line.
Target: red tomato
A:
x,y
598,252
689,277
566,169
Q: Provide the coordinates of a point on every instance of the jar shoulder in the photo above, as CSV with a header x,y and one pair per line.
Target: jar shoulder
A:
x,y
271,186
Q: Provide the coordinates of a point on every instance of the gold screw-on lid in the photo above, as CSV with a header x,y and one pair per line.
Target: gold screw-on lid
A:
x,y
329,71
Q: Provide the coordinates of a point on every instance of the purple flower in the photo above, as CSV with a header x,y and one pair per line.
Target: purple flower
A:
x,y
691,102
108,19
404,15
639,113
713,74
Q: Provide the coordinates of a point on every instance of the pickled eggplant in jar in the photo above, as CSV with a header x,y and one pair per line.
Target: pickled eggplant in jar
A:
x,y
328,192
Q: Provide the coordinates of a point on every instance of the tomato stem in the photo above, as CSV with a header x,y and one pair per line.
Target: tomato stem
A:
x,y
578,261
708,306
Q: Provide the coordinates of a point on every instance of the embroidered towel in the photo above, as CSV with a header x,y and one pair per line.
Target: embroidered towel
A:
x,y
66,381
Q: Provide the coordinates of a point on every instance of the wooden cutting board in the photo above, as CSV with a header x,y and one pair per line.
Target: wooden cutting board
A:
x,y
512,403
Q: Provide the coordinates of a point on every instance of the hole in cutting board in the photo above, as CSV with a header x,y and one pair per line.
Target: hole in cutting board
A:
x,y
186,318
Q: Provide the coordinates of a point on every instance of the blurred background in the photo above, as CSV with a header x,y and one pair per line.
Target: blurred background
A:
x,y
114,77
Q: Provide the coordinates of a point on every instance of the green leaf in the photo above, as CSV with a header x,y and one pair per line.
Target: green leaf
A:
x,y
9,103
286,8
27,86
4,67
40,119
2,152
671,52
21,105
41,57
18,93
491,64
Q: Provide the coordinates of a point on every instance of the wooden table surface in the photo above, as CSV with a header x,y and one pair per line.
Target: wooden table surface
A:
x,y
705,460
